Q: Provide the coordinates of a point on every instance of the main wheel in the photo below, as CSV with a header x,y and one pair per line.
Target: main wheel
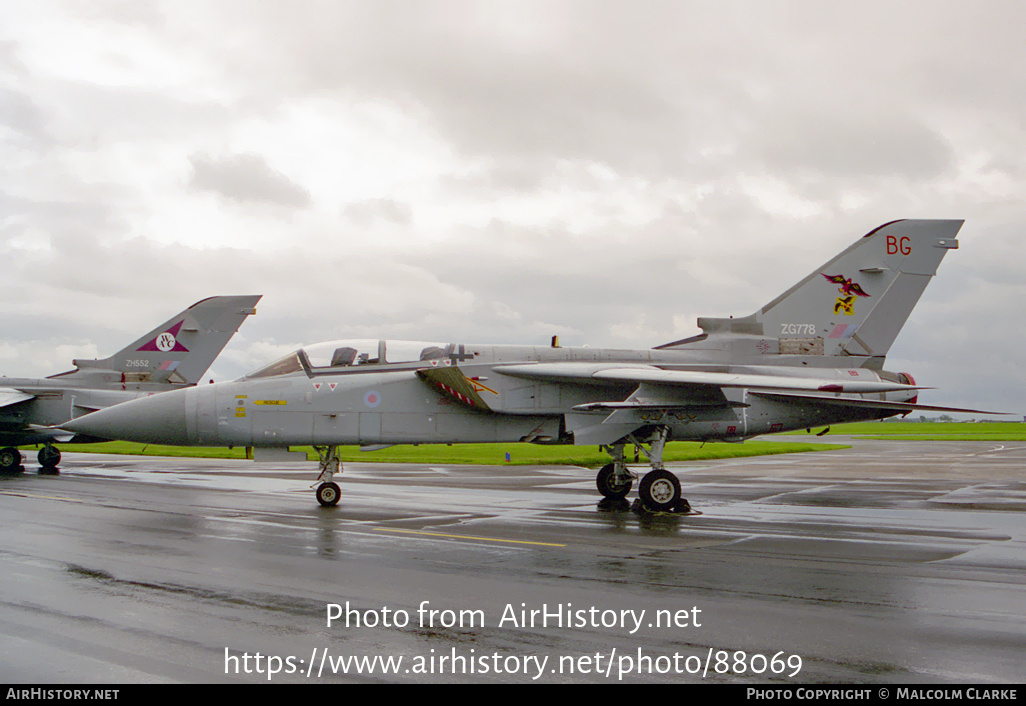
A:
x,y
10,460
49,456
659,490
608,485
328,494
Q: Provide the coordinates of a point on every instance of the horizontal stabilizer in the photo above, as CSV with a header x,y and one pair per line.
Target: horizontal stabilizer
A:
x,y
82,409
872,404
41,433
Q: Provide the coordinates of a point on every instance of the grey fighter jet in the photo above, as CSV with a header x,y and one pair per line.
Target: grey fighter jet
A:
x,y
811,357
174,355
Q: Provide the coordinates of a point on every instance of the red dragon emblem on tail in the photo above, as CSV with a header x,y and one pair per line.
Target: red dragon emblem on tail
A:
x,y
849,289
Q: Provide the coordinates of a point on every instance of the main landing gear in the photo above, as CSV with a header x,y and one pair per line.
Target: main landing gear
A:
x,y
49,457
10,460
328,492
659,490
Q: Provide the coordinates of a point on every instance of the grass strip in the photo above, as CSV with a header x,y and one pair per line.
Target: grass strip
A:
x,y
931,431
480,454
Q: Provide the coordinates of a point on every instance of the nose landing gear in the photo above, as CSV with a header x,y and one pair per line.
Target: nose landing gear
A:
x,y
328,492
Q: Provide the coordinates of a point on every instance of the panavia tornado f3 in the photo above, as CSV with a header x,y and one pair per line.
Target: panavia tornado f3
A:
x,y
811,357
174,355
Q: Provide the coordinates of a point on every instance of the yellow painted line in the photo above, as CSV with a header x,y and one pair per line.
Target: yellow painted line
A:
x,y
41,497
463,536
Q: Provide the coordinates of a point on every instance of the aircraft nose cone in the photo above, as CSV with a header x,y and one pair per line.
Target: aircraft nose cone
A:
x,y
158,419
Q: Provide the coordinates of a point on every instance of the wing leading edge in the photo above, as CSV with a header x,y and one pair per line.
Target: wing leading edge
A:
x,y
667,390
9,396
859,382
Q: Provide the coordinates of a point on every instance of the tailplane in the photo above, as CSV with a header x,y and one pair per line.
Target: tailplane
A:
x,y
178,352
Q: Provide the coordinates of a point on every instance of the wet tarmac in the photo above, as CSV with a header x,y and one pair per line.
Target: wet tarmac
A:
x,y
891,562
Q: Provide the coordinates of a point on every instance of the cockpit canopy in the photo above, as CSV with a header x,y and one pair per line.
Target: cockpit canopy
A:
x,y
335,356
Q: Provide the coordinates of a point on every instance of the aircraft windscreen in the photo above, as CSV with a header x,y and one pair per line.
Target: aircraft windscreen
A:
x,y
334,354
282,366
410,351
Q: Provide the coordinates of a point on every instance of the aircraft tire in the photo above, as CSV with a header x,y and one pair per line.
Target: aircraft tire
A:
x,y
605,481
328,494
10,460
659,490
49,456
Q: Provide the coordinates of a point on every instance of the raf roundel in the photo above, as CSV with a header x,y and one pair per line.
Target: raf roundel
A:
x,y
372,399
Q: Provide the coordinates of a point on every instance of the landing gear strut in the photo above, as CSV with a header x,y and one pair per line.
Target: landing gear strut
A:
x,y
659,490
328,492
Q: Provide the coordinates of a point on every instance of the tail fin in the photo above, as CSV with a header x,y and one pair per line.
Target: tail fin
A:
x,y
177,352
854,305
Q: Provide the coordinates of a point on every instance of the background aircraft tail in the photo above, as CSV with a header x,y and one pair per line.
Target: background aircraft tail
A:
x,y
853,305
178,352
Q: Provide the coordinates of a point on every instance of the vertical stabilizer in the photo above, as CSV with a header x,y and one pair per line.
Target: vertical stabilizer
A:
x,y
858,301
853,305
179,351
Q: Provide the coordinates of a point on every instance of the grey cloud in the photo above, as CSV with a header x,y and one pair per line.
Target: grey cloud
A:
x,y
246,178
483,97
45,224
19,112
121,11
859,143
801,87
117,290
87,115
366,212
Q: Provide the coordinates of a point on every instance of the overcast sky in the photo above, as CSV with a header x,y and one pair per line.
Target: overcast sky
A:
x,y
500,172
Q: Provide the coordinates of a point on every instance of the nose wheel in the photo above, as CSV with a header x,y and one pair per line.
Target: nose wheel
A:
x,y
328,494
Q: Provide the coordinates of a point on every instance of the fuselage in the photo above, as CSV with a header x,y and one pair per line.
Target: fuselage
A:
x,y
317,396
56,401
